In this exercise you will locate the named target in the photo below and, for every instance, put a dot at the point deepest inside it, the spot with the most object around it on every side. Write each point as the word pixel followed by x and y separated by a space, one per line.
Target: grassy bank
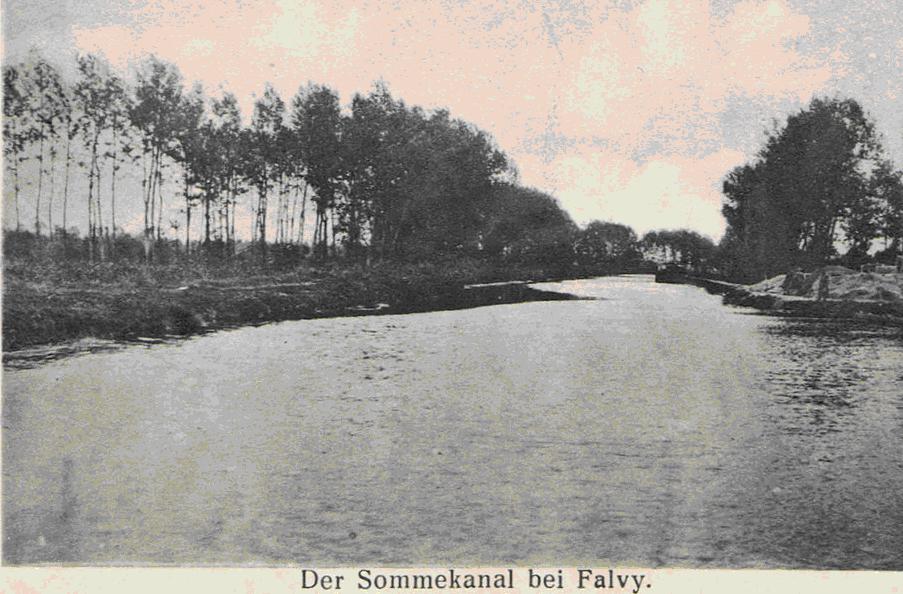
pixel 47 304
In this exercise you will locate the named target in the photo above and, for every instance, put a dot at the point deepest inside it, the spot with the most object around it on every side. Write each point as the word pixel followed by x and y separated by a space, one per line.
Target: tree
pixel 45 105
pixel 684 247
pixel 287 170
pixel 524 225
pixel 815 185
pixel 71 127
pixel 119 147
pixel 417 183
pixel 461 168
pixel 227 130
pixel 262 155
pixel 155 114
pixel 317 124
pixel 92 95
pixel 197 153
pixel 889 189
pixel 611 244
pixel 15 125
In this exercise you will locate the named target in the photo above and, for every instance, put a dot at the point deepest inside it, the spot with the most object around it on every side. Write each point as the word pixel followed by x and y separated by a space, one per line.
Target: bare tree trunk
pixel 66 184
pixel 91 231
pixel 221 235
pixel 227 225
pixel 206 221
pixel 113 186
pixel 99 211
pixel 262 226
pixel 303 214
pixel 145 190
pixel 16 159
pixel 232 225
pixel 144 187
pixel 279 211
pixel 262 218
pixel 98 206
pixel 255 221
pixel 324 234
pixel 282 211
pixel 315 243
pixel 152 195
pixel 113 199
pixel 187 215
pixel 52 189
pixel 333 225
pixel 291 229
pixel 150 203
pixel 104 242
pixel 16 189
pixel 160 209
pixel 37 204
pixel 188 229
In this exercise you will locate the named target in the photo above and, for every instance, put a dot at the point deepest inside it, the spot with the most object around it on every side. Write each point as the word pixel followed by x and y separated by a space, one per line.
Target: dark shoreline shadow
pixel 468 297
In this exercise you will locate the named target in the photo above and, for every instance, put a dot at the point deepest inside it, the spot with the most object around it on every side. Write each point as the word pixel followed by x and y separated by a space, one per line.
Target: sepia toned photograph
pixel 453 283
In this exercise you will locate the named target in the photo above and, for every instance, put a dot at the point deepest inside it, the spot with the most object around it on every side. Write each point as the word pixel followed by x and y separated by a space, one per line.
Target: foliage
pixel 612 243
pixel 684 247
pixel 820 183
pixel 526 225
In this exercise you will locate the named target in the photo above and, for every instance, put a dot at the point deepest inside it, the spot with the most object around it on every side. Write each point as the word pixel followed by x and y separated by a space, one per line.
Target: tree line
pixel 821 190
pixel 377 179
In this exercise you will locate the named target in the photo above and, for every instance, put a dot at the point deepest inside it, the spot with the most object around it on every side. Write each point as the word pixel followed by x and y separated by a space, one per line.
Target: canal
pixel 651 426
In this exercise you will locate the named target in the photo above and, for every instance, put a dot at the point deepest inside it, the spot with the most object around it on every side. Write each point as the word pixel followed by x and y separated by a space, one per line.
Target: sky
pixel 628 111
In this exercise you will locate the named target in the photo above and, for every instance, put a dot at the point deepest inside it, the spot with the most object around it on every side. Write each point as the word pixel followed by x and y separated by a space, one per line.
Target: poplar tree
pixel 44 102
pixel 15 124
pixel 316 121
pixel 155 113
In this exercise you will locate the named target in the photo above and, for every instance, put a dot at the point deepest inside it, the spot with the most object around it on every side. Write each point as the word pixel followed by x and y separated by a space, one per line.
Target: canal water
pixel 652 426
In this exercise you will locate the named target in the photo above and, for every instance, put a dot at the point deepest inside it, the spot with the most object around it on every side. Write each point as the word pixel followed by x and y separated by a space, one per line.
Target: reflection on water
pixel 654 427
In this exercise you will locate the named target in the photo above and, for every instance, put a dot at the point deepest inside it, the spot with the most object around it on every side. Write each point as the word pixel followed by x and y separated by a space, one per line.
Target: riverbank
pixel 867 296
pixel 127 302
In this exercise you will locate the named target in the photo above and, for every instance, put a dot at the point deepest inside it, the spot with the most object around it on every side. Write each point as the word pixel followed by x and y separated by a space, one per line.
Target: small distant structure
pixel 671 273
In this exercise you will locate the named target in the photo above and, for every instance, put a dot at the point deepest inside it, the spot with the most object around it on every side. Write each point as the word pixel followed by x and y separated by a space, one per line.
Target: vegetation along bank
pixel 139 207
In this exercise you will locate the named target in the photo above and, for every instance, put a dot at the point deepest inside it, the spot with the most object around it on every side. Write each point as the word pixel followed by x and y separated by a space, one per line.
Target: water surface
pixel 654 427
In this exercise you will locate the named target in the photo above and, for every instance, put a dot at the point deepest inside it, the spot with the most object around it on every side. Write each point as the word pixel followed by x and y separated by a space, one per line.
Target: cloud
pixel 667 68
pixel 237 46
pixel 666 191
pixel 646 99
pixel 619 111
